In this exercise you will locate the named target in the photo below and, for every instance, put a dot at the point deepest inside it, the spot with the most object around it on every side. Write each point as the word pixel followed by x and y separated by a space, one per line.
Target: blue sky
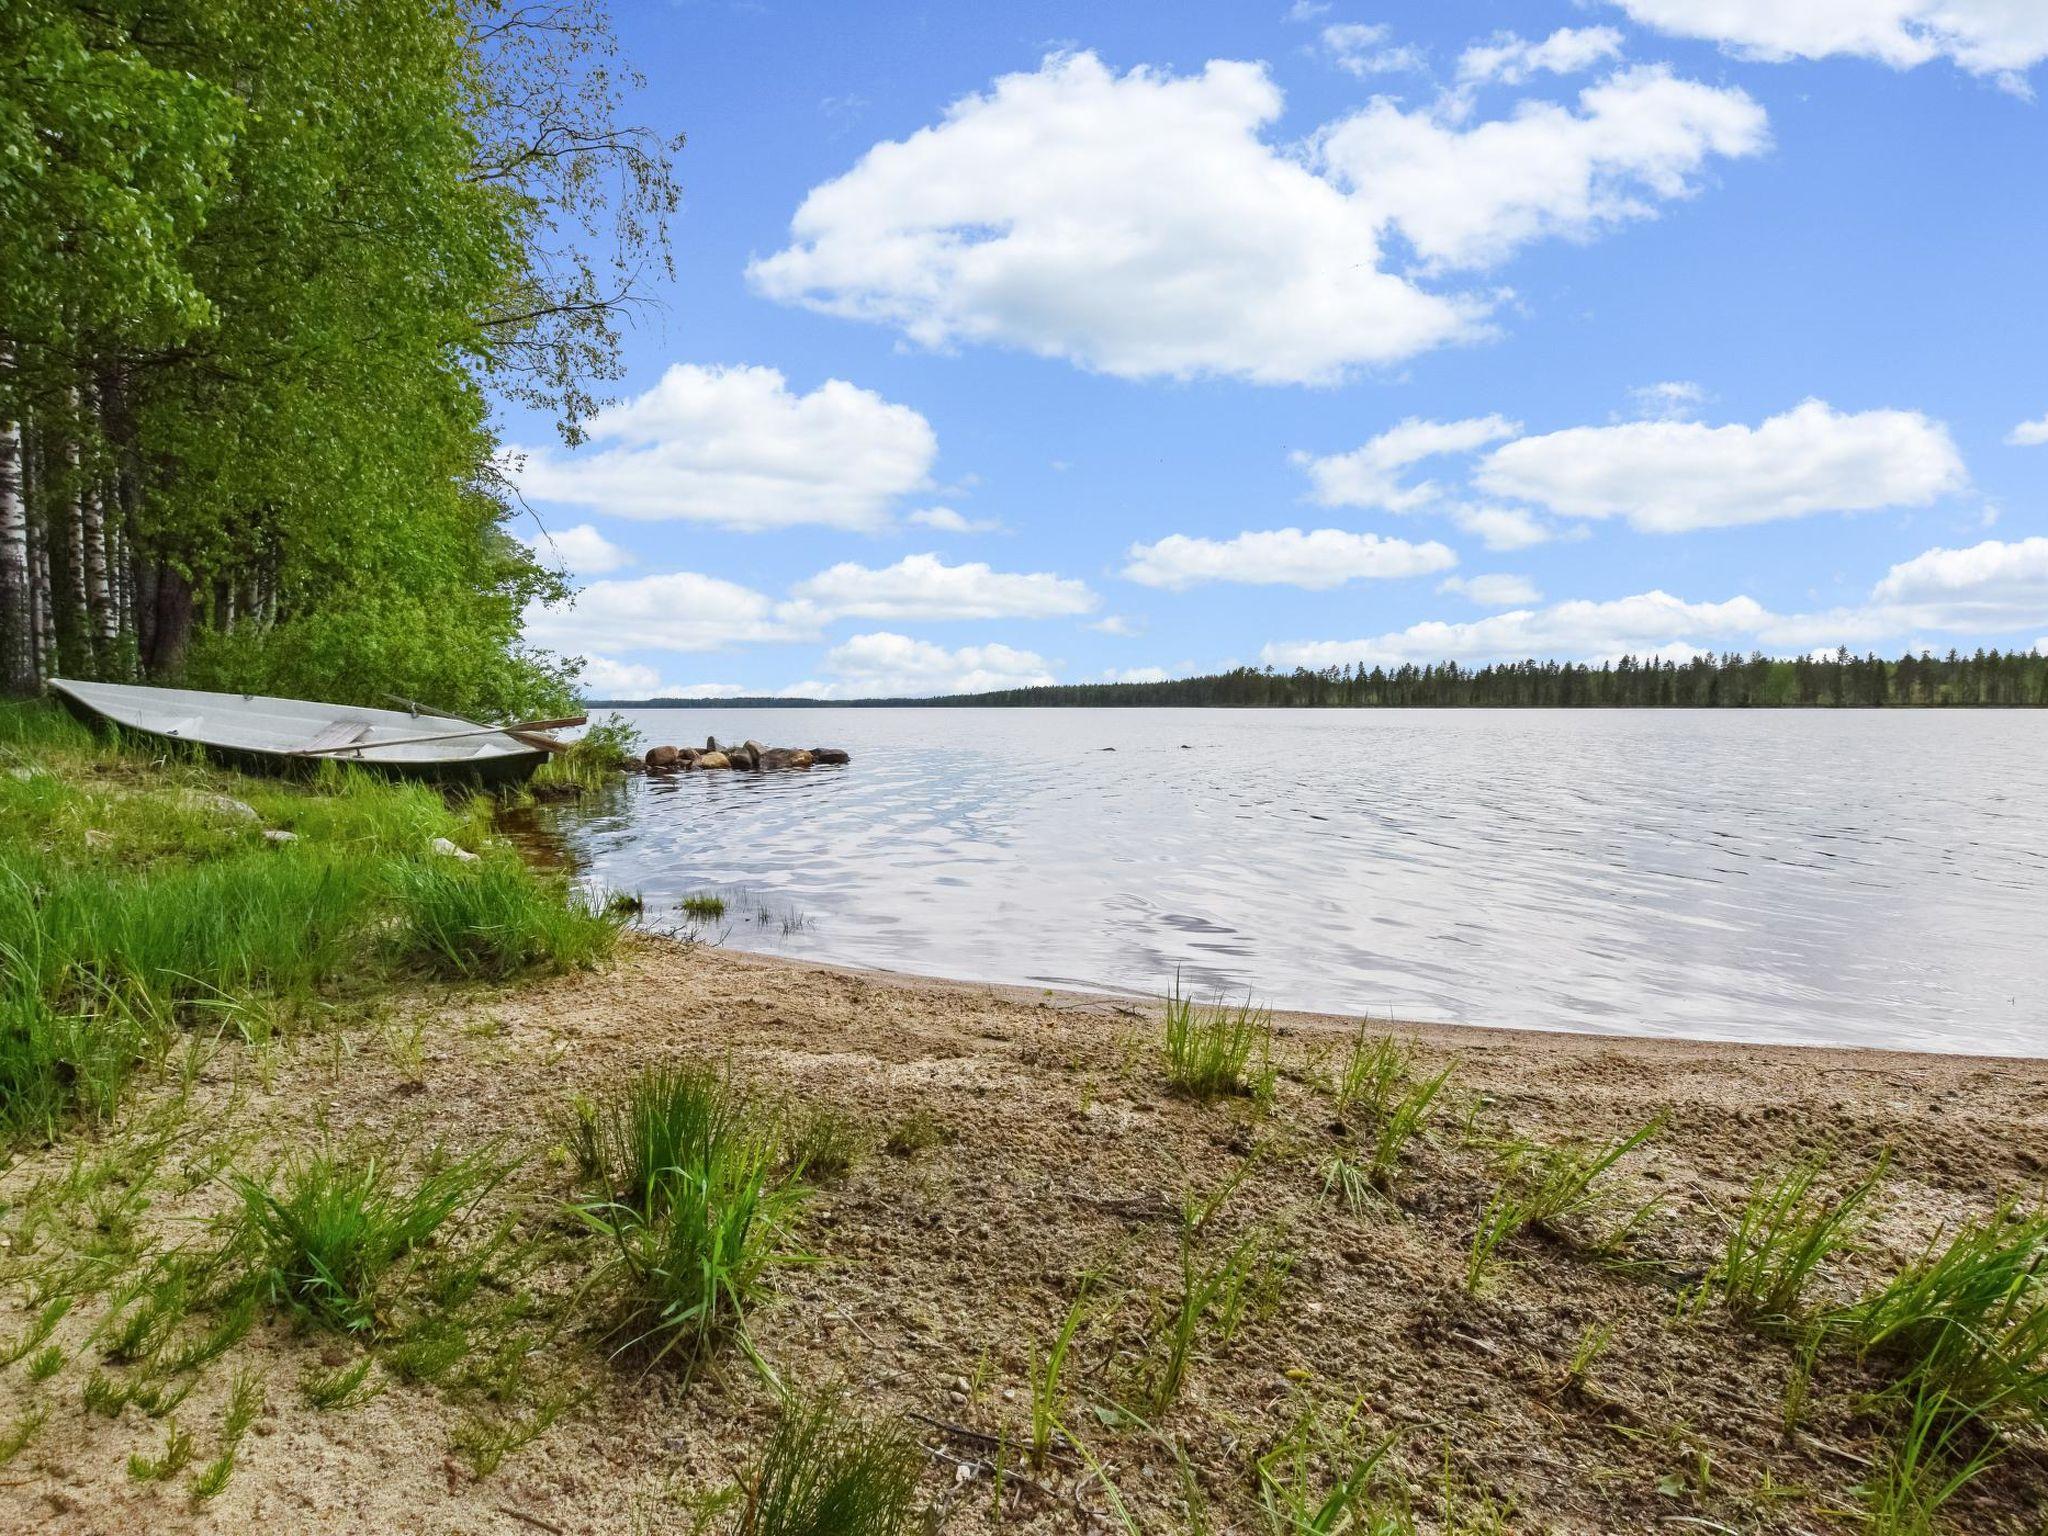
pixel 1063 342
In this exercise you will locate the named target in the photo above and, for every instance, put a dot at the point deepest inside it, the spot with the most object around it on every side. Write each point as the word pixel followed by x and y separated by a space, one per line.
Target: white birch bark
pixel 17 636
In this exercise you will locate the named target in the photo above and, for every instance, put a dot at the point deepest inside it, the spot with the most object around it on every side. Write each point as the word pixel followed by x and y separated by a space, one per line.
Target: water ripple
pixel 1864 878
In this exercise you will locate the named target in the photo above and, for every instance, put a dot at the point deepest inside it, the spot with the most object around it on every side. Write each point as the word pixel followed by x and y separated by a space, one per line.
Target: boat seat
pixel 343 733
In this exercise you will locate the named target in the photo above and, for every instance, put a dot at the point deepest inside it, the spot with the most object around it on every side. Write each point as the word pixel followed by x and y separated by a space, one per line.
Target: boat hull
pixel 490 769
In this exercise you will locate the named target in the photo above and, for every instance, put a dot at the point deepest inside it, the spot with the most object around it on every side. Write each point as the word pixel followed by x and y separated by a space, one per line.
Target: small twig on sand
pixel 532 1520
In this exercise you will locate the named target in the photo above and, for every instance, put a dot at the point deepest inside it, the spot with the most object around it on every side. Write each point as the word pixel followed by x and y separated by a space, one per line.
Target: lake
pixel 1862 878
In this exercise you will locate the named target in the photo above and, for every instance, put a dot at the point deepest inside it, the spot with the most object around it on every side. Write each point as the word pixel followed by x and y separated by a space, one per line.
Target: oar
pixel 475 730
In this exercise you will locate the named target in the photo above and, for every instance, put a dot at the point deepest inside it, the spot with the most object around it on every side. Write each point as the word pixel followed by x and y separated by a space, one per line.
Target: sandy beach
pixel 1019 1141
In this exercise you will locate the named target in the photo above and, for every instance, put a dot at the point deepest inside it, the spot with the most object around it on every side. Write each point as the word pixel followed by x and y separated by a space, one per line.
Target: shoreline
pixel 1439 1034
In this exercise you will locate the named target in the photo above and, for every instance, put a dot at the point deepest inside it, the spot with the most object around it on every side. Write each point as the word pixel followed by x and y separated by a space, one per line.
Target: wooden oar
pixel 475 730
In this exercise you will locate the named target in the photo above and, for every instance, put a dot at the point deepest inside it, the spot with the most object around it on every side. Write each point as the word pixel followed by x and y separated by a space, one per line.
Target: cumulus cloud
pixel 885 665
pixel 1990 588
pixel 1136 675
pixel 1371 476
pixel 946 520
pixel 1671 476
pixel 1985 37
pixel 1364 51
pixel 1114 624
pixel 605 678
pixel 677 611
pixel 1145 225
pixel 1471 196
pixel 1985 588
pixel 581 550
pixel 1572 630
pixel 2029 434
pixel 737 447
pixel 1327 557
pixel 925 587
pixel 1494 591
pixel 1511 59
pixel 1503 528
pixel 1671 400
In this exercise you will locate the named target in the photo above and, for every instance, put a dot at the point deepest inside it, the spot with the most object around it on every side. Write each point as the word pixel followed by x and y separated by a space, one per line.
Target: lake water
pixel 1868 878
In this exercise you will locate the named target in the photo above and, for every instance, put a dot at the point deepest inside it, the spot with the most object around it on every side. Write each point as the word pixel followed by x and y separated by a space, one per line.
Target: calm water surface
pixel 1862 878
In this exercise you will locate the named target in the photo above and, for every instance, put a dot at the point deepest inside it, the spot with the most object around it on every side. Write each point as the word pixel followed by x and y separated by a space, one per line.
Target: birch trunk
pixel 17 638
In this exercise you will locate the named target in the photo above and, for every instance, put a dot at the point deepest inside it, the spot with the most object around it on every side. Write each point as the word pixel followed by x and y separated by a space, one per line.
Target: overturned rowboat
pixel 269 735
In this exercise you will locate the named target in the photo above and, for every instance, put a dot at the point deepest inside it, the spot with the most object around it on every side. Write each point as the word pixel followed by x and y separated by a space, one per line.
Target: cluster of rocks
pixel 748 755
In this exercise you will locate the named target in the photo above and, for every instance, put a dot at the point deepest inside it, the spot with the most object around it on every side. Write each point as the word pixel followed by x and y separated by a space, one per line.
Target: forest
pixel 1730 681
pixel 264 271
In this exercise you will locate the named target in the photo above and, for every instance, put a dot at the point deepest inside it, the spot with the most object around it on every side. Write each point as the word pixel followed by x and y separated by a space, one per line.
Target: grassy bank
pixel 147 900
pixel 348 1191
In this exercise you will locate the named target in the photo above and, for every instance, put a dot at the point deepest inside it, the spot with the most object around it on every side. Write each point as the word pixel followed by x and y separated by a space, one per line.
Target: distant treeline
pixel 1842 681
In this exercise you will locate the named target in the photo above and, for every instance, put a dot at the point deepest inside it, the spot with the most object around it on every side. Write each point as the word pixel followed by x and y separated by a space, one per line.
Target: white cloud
pixel 1672 400
pixel 1327 557
pixel 1986 588
pixel 1364 51
pixel 1511 59
pixel 1503 528
pixel 925 587
pixel 2029 434
pixel 885 665
pixel 581 550
pixel 1307 10
pixel 1576 630
pixel 1986 37
pixel 1136 224
pixel 946 520
pixel 1469 197
pixel 605 678
pixel 1136 675
pixel 1370 476
pixel 679 611
pixel 1992 588
pixel 734 446
pixel 1671 476
pixel 1114 624
pixel 1144 225
pixel 1494 591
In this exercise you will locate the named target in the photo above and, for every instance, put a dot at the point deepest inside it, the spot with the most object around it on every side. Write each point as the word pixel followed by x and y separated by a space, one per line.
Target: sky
pixel 1034 342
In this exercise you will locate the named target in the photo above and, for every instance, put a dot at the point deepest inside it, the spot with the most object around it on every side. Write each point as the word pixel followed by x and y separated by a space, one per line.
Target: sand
pixel 1057 1152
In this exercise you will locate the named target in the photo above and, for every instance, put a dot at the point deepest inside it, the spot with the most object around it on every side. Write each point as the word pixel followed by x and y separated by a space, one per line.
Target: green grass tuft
pixel 1787 1230
pixel 827 1472
pixel 494 919
pixel 327 1237
pixel 1209 1049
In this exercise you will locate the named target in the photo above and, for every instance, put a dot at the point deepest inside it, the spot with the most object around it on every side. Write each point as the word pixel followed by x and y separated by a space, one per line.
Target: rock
pixel 279 835
pixel 448 850
pixel 746 755
pixel 775 757
pixel 710 743
pixel 830 755
pixel 799 758
pixel 712 760
pixel 633 765
pixel 222 805
pixel 662 759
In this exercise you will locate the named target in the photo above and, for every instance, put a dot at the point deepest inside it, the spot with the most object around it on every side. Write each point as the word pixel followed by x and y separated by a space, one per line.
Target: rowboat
pixel 263 734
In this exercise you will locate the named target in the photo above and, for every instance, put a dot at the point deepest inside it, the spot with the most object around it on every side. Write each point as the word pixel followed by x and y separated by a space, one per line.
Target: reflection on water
pixel 1865 877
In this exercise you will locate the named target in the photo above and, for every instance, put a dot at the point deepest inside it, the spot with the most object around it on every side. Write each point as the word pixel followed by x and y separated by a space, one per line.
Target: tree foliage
pixel 263 271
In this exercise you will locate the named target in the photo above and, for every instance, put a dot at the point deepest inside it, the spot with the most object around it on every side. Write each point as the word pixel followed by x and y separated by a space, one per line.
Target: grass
pixel 1375 1064
pixel 1932 1460
pixel 1787 1230
pixel 175 1457
pixel 1967 1323
pixel 1318 1478
pixel 1209 1048
pixel 343 1386
pixel 1547 1186
pixel 1049 1380
pixel 495 919
pixel 703 907
pixel 918 1131
pixel 245 1403
pixel 329 1234
pixel 1215 1290
pixel 828 1472
pixel 133 905
pixel 692 1206
pixel 823 1144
